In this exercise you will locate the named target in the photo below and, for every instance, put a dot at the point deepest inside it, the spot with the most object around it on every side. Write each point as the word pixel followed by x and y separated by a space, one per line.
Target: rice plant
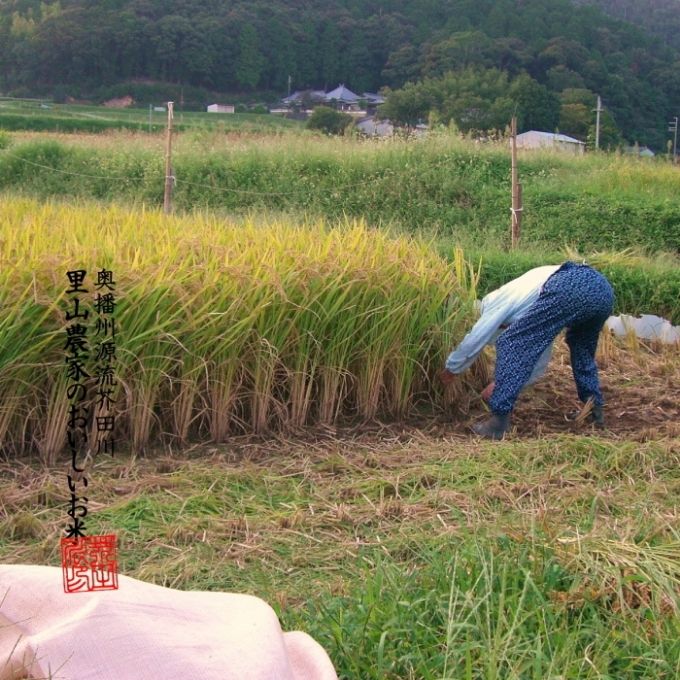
pixel 222 326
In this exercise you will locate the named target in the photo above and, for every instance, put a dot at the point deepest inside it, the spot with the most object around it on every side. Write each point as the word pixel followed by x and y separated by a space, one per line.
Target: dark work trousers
pixel 575 297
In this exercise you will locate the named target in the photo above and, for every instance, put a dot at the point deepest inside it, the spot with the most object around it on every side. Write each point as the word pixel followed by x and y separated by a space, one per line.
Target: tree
pixel 329 120
pixel 249 62
pixel 358 64
pixel 475 99
pixel 563 52
pixel 537 107
pixel 510 54
pixel 408 105
pixel 576 112
pixel 610 135
pixel 331 55
pixel 560 78
pixel 280 55
pixel 402 66
pixel 306 55
pixel 575 120
pixel 461 50
pixel 171 32
pixel 578 96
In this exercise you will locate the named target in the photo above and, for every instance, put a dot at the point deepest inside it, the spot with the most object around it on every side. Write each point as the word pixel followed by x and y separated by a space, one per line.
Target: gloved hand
pixel 447 377
pixel 487 391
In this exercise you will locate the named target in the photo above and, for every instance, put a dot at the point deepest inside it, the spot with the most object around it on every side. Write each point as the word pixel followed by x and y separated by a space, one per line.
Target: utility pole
pixel 516 209
pixel 673 127
pixel 169 178
pixel 597 122
pixel 290 79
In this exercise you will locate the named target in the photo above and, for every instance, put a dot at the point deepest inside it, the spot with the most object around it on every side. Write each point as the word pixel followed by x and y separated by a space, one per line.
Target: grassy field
pixel 37 116
pixel 442 186
pixel 414 551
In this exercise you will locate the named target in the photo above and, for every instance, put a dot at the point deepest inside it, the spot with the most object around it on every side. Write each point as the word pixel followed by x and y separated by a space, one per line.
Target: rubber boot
pixel 494 427
pixel 597 416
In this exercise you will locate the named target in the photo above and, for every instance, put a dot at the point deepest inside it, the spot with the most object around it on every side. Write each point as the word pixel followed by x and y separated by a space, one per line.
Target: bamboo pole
pixel 169 178
pixel 516 210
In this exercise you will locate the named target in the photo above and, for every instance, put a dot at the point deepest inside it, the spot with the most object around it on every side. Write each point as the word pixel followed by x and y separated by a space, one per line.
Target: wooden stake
pixel 169 178
pixel 516 209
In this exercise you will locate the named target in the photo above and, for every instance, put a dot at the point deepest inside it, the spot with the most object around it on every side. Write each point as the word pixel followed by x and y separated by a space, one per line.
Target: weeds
pixel 441 185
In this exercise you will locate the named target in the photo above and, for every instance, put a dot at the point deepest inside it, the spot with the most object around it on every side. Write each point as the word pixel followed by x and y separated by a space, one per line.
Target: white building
pixel 220 108
pixel 549 140
pixel 376 128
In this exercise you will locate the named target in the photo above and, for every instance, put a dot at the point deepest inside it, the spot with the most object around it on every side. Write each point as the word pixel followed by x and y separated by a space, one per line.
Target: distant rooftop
pixel 342 94
pixel 299 95
pixel 552 136
pixel 373 98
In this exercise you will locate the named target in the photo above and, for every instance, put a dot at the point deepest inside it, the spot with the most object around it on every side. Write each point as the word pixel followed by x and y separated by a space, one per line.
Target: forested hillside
pixel 565 53
pixel 659 17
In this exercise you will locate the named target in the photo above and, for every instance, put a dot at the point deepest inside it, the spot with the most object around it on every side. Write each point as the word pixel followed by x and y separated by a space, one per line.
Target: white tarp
pixel 645 327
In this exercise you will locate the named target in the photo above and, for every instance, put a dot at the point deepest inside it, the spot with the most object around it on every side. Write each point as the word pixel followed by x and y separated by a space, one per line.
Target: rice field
pixel 282 430
pixel 441 185
pixel 224 326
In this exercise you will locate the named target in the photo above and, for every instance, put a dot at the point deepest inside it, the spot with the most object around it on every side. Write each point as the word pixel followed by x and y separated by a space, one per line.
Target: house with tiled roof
pixel 300 96
pixel 342 95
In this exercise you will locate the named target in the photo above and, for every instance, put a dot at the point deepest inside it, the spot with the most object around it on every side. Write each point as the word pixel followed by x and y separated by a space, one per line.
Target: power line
pixel 67 172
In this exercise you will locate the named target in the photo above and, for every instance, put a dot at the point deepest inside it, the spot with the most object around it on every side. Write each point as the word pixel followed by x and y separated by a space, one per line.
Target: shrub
pixel 329 120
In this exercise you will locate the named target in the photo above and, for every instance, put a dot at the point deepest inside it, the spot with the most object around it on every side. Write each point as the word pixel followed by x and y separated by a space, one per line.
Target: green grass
pixel 440 186
pixel 430 558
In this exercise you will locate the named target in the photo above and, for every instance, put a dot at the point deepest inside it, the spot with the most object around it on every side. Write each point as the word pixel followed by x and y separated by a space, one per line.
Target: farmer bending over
pixel 526 315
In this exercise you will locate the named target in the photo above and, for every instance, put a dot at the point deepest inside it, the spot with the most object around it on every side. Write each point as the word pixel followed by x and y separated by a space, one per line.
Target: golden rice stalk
pixel 224 326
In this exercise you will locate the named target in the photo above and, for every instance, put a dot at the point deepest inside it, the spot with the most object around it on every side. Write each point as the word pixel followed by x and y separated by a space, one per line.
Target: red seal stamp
pixel 89 563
